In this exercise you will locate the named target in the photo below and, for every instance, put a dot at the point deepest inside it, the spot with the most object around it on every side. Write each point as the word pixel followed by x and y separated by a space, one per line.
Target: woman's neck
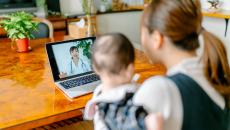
pixel 75 60
pixel 176 58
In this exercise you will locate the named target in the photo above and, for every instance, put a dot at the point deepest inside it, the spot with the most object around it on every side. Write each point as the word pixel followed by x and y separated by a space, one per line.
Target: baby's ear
pixel 95 70
pixel 131 67
pixel 130 70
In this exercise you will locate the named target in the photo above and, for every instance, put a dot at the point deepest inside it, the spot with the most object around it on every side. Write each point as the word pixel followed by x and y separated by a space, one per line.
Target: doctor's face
pixel 74 53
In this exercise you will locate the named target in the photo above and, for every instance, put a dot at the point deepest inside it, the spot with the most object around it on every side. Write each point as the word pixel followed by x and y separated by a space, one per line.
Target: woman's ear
pixel 157 39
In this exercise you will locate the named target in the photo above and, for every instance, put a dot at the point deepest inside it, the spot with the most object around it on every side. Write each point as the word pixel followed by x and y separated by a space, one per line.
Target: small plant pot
pixel 23 45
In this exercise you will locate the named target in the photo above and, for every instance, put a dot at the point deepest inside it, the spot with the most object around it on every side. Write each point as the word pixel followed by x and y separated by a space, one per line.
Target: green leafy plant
pixel 19 25
pixel 85 45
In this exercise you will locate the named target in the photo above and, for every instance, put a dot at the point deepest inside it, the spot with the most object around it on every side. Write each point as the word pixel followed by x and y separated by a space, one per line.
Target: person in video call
pixel 76 64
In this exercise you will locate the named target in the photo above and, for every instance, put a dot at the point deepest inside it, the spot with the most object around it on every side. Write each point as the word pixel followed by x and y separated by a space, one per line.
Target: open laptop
pixel 71 66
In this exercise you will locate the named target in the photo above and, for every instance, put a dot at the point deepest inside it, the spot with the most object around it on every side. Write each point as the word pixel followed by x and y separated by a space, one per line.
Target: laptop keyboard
pixel 80 81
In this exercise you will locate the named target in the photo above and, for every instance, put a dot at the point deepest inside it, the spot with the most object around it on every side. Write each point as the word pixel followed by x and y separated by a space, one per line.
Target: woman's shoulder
pixel 159 83
pixel 157 94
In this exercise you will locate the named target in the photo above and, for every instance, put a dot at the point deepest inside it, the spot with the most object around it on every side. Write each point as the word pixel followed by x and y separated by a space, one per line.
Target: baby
pixel 111 107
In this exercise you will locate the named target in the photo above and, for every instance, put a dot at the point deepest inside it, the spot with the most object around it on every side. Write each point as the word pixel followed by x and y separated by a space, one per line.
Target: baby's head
pixel 113 57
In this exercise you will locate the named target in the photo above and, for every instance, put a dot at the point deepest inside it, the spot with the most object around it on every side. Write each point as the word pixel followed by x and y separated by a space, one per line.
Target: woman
pixel 190 96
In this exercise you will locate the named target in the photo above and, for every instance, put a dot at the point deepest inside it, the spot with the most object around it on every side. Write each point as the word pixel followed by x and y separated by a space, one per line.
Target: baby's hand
pixel 62 75
pixel 154 122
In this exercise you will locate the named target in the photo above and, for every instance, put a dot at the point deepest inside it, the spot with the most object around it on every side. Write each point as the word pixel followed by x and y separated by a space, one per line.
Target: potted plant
pixel 214 5
pixel 19 26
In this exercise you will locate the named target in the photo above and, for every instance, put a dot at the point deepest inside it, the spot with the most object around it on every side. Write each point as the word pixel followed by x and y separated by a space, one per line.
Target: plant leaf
pixel 18 25
pixel 21 35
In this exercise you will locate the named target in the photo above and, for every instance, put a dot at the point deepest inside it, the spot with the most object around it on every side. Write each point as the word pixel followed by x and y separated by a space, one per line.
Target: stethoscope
pixel 71 66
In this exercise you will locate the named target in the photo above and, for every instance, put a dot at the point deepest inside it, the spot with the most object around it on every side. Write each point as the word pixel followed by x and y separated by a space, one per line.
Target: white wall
pixel 225 4
pixel 127 23
pixel 71 7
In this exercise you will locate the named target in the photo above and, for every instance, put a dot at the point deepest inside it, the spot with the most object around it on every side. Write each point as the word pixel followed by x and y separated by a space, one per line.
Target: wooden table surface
pixel 28 95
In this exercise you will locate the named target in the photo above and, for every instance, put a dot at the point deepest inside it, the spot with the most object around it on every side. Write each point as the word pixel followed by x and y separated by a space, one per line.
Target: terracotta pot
pixel 23 45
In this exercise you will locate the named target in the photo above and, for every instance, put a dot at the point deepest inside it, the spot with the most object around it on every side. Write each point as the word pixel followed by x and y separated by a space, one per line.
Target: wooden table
pixel 28 96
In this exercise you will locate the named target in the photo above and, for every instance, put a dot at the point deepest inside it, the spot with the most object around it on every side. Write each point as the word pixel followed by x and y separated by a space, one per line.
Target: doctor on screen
pixel 76 64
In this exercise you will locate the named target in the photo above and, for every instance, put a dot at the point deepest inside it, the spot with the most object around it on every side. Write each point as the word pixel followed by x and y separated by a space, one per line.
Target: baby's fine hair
pixel 112 52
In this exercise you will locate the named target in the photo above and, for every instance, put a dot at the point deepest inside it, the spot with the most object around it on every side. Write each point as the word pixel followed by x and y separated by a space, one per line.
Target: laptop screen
pixel 70 58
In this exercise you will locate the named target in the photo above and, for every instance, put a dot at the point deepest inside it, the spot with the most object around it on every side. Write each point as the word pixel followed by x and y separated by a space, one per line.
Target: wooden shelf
pixel 221 14
pixel 59 24
pixel 136 7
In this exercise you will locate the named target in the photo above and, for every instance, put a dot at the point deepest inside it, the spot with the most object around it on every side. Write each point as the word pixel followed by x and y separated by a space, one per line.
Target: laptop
pixel 71 66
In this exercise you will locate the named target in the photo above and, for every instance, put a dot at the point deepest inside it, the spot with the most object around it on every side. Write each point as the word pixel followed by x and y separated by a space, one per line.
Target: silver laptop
pixel 71 66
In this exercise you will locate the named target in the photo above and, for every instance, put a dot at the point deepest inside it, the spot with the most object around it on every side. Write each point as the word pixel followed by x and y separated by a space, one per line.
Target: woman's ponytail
pixel 217 69
pixel 181 21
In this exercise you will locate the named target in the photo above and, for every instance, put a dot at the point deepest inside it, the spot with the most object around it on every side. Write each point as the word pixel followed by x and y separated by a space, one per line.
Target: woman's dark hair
pixel 180 21
pixel 112 52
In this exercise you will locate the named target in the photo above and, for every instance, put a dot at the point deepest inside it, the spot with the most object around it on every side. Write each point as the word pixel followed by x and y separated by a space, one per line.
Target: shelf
pixel 119 11
pixel 59 24
pixel 221 14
